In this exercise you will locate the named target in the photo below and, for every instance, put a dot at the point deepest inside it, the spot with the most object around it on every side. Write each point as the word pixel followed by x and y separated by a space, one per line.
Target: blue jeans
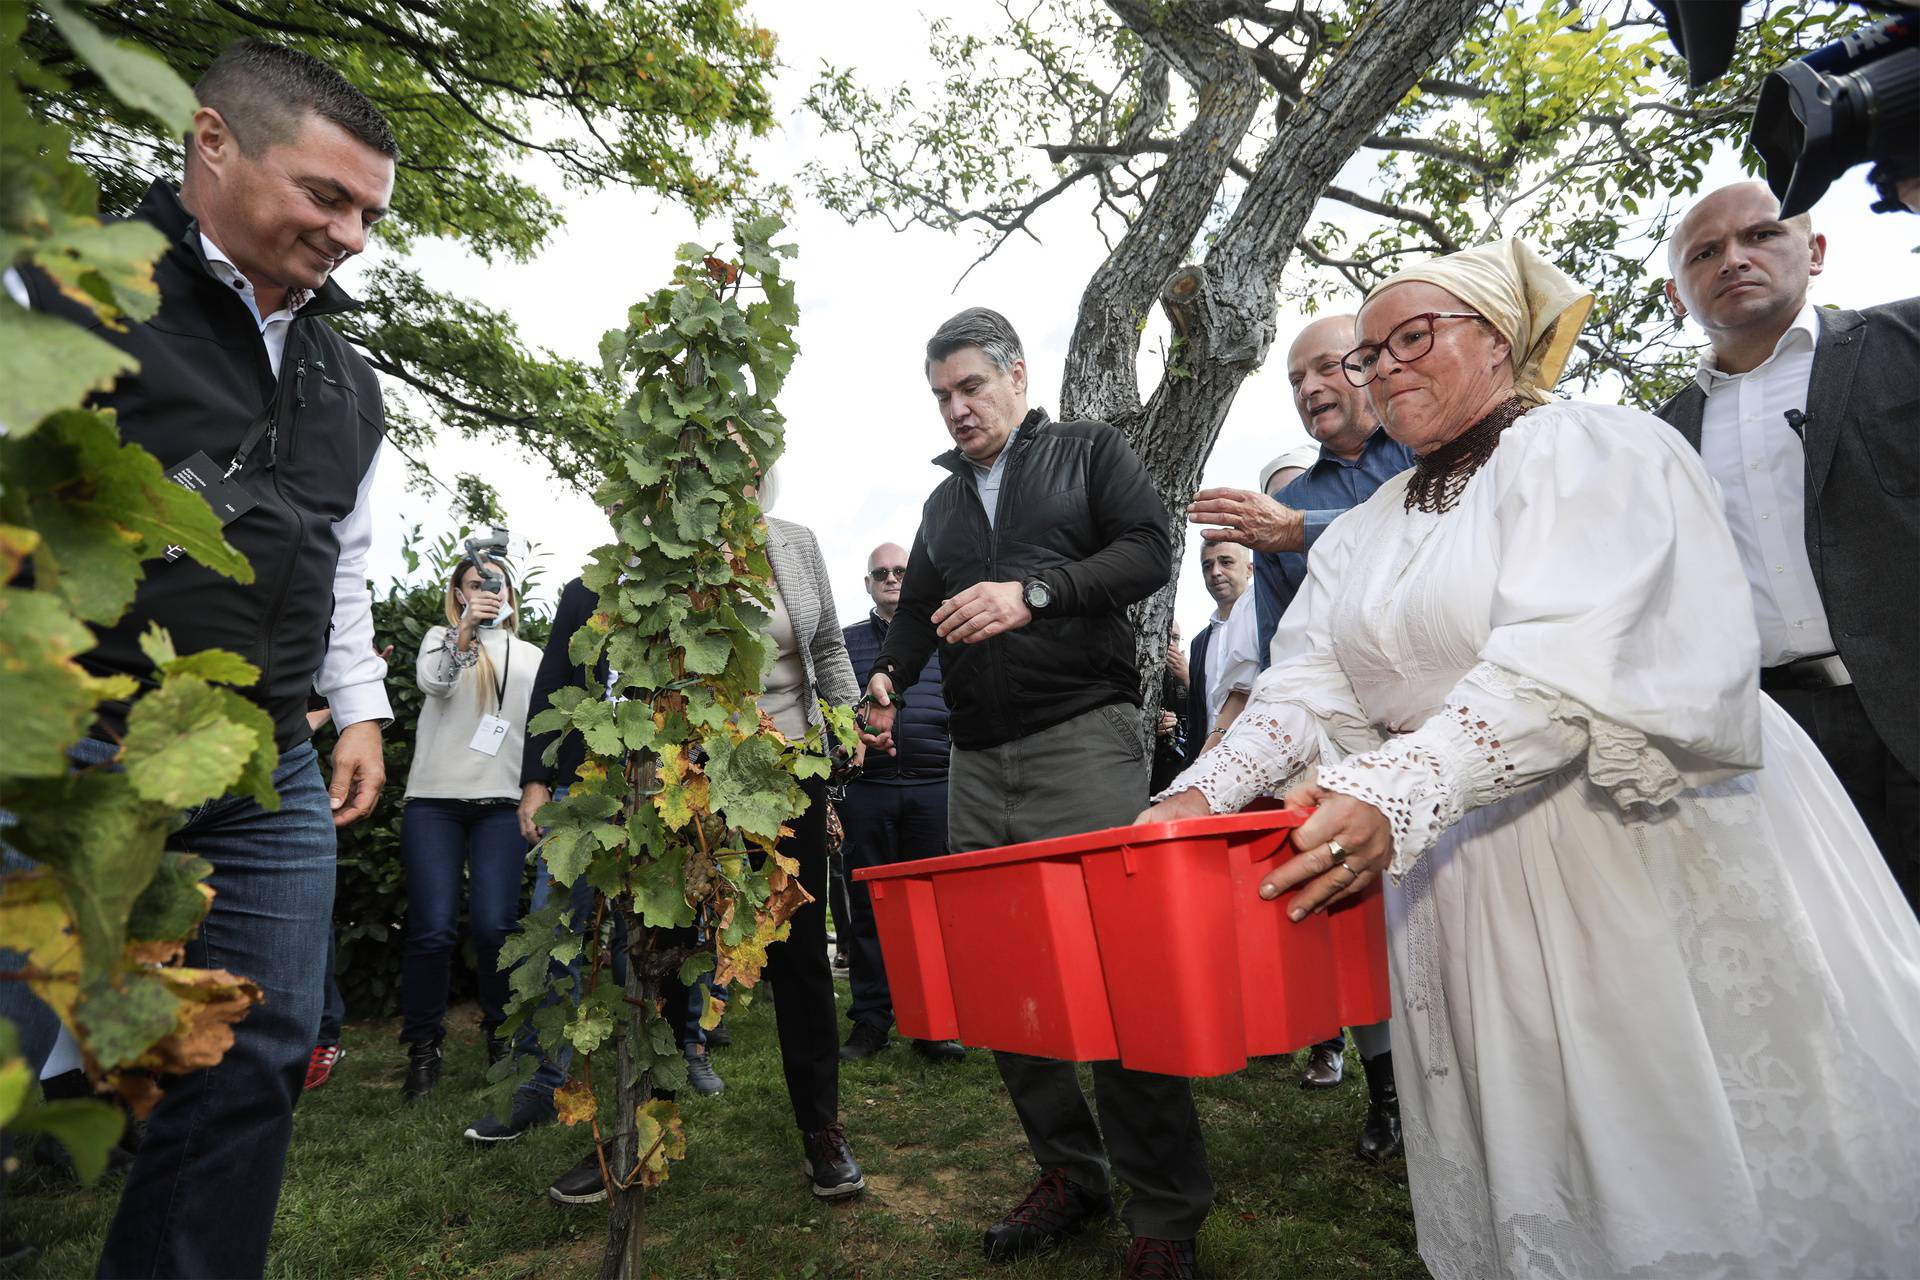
pixel 885 822
pixel 201 1196
pixel 440 839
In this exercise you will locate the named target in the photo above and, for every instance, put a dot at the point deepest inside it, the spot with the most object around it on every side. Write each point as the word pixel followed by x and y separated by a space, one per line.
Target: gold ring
pixel 1337 852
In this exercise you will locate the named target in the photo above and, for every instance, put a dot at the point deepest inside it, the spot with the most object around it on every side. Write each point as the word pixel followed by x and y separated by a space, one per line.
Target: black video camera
pixel 1855 101
pixel 486 553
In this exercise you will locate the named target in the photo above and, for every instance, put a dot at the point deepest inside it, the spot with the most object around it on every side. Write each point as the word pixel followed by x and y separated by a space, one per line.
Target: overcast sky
pixel 861 424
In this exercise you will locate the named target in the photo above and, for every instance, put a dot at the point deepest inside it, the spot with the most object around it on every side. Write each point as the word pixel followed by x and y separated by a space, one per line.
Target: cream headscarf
pixel 1536 306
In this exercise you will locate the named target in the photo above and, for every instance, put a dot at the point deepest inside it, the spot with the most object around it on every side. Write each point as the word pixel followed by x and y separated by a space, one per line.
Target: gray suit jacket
pixel 1863 503
pixel 801 573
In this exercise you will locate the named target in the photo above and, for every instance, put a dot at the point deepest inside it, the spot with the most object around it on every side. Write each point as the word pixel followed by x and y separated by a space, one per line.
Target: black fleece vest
pixel 203 380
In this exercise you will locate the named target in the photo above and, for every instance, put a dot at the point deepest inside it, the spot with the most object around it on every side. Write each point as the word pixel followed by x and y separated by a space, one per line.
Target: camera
pixel 486 552
pixel 1852 102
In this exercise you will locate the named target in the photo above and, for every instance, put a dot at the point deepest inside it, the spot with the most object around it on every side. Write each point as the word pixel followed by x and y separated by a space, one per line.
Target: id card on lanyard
pixel 492 729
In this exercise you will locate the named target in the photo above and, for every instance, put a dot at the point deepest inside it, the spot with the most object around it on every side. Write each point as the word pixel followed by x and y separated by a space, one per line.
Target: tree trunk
pixel 626 1210
pixel 1223 310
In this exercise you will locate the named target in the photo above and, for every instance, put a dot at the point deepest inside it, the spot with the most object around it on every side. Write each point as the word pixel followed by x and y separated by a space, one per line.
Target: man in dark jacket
pixel 1021 573
pixel 894 811
pixel 1810 420
pixel 241 378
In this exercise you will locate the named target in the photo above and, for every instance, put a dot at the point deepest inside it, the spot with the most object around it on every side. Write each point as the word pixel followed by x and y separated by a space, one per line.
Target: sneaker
pixel 321 1062
pixel 830 1164
pixel 530 1111
pixel 1055 1209
pixel 1153 1259
pixel 941 1050
pixel 581 1184
pixel 1325 1068
pixel 700 1073
pixel 863 1042
pixel 719 1037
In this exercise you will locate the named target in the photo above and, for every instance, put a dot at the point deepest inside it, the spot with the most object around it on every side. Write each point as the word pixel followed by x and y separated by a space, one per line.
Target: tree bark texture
pixel 626 1210
pixel 1222 309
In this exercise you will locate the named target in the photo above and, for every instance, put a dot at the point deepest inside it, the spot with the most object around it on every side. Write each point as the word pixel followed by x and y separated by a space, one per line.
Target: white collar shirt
pixel 273 328
pixel 1760 463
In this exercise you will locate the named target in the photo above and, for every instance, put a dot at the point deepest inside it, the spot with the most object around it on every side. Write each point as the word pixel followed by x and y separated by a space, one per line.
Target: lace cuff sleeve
pixel 1496 733
pixel 1262 752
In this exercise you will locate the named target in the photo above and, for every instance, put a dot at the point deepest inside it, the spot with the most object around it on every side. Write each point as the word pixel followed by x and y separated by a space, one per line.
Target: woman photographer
pixel 462 795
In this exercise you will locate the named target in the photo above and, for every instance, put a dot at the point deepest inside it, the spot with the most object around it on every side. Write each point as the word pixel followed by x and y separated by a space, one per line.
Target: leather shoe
pixel 863 1042
pixel 1150 1258
pixel 941 1050
pixel 1055 1209
pixel 1380 1131
pixel 423 1071
pixel 1326 1067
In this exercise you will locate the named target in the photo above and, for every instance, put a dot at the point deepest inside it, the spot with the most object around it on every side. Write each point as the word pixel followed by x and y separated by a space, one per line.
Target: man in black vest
pixel 894 811
pixel 1810 420
pixel 1026 561
pixel 287 169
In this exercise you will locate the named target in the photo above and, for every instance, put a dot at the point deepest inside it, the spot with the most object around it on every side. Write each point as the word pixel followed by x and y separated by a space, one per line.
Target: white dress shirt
pixel 1761 465
pixel 352 676
pixel 1233 655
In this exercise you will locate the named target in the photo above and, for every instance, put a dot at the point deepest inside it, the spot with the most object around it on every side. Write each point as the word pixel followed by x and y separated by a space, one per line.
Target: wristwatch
pixel 1037 594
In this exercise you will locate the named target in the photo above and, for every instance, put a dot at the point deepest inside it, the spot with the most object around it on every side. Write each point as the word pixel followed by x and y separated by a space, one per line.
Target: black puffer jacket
pixel 920 733
pixel 1076 511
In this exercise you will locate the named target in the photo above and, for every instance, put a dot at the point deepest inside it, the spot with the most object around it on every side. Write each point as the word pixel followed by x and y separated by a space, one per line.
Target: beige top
pixel 785 697
pixel 445 765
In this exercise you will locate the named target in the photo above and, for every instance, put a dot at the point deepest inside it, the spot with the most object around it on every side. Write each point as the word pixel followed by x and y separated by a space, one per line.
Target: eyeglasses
pixel 1408 341
pixel 883 573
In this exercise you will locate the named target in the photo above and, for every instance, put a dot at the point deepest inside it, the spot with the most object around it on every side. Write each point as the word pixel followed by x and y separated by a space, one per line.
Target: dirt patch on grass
pixel 932 1195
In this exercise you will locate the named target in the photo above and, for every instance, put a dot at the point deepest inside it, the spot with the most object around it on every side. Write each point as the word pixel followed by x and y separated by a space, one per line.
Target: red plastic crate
pixel 1148 944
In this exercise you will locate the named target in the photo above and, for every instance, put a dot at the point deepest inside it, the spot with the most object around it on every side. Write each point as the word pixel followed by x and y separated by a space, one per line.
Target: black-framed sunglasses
pixel 1408 341
pixel 882 573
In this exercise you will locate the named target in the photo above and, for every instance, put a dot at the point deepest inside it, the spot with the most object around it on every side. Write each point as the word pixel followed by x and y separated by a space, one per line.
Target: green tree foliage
pixel 652 95
pixel 1567 124
pixel 99 925
pixel 686 787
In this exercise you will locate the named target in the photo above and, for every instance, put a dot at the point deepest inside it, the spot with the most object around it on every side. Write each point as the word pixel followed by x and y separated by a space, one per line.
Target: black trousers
pixel 1881 788
pixel 886 822
pixel 801 977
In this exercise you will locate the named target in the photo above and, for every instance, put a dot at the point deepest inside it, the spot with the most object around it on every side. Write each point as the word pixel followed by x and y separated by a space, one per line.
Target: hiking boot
pixel 582 1184
pixel 941 1050
pixel 1326 1066
pixel 700 1073
pixel 1380 1131
pixel 423 1071
pixel 1055 1209
pixel 830 1163
pixel 863 1042
pixel 1154 1259
pixel 321 1062
pixel 530 1111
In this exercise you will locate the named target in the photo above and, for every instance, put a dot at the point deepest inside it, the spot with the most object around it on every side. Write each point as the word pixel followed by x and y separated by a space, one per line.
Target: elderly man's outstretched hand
pixel 1251 519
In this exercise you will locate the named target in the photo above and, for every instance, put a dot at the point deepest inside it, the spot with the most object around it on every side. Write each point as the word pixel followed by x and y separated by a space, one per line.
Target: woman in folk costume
pixel 1659 1005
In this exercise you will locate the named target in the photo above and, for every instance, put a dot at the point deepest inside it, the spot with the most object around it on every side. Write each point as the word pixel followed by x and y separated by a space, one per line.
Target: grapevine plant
pixel 686 787
pixel 98 926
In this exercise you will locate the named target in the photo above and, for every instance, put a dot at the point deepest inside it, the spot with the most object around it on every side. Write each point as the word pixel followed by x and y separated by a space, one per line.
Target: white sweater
pixel 445 766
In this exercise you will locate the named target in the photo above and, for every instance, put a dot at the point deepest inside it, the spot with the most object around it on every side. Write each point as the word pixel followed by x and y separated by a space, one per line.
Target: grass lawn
pixel 377 1189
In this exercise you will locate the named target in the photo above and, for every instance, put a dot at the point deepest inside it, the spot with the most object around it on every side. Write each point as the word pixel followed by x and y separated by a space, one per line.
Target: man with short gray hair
pixel 1025 563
